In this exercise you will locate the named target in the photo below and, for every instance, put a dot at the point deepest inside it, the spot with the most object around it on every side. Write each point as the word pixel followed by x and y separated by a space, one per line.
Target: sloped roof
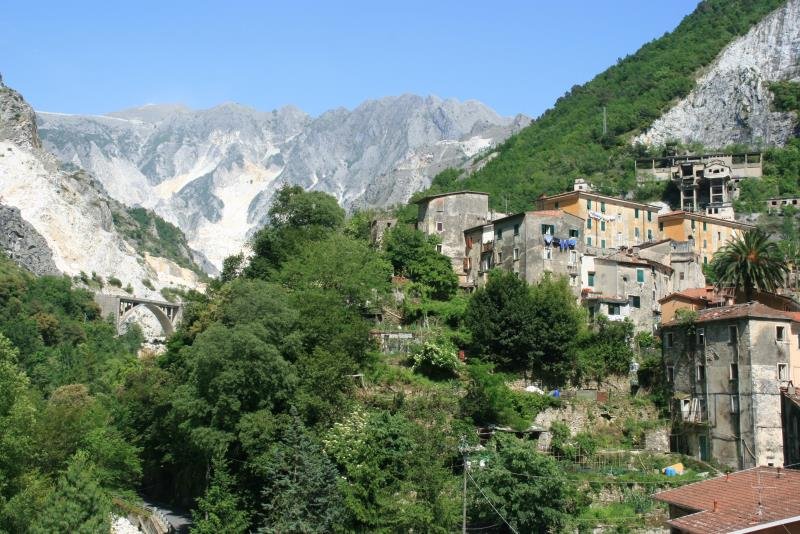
pixel 706 294
pixel 744 500
pixel 754 310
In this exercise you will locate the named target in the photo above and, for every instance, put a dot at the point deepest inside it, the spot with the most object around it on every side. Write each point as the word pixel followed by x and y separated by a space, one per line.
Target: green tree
pixel 606 349
pixel 529 489
pixel 414 255
pixel 499 317
pixel 219 509
pixel 300 492
pixel 750 262
pixel 77 504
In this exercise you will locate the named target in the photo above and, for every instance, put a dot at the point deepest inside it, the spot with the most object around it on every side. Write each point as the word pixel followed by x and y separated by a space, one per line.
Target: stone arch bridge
pixel 120 308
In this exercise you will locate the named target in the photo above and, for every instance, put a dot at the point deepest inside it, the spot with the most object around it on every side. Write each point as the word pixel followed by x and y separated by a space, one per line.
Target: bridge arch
pixel 163 320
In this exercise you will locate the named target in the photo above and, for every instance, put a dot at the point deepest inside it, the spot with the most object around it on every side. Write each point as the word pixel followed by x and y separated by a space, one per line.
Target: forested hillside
pixel 568 140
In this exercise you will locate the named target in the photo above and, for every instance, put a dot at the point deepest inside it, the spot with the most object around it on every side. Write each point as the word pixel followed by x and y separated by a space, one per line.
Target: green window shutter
pixel 602 243
pixel 589 241
pixel 602 206
pixel 602 225
pixel 588 203
pixel 649 216
pixel 591 279
pixel 640 275
pixel 636 213
pixel 589 224
pixel 705 226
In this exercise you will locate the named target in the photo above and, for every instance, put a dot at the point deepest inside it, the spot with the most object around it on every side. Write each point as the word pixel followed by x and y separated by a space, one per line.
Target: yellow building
pixel 610 222
pixel 708 234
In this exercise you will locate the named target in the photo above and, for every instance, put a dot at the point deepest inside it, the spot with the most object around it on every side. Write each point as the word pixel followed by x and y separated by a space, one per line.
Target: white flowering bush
pixel 436 359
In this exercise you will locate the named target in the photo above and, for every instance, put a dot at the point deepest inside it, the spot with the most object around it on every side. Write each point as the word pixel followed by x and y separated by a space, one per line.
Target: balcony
pixel 487 247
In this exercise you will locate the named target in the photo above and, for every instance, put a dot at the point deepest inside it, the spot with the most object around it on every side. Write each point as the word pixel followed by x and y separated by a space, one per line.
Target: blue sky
pixel 95 57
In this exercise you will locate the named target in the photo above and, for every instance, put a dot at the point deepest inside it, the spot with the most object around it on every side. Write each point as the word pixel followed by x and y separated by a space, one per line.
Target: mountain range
pixel 213 172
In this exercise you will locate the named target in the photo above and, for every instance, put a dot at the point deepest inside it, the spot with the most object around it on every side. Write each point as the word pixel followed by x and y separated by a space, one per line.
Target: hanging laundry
pixel 547 239
pixel 572 242
pixel 557 242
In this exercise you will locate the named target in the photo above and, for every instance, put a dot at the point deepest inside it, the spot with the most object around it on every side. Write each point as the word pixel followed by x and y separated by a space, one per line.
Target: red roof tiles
pixel 754 310
pixel 741 500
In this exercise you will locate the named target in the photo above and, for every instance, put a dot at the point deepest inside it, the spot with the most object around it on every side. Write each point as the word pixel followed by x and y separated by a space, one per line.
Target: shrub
pixel 114 281
pixel 148 284
pixel 436 359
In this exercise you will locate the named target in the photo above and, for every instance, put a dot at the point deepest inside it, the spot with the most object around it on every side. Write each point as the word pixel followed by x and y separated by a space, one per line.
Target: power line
pixel 490 503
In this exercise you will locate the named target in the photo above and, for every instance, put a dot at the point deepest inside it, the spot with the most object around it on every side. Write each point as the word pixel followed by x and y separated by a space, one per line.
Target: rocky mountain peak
pixel 17 119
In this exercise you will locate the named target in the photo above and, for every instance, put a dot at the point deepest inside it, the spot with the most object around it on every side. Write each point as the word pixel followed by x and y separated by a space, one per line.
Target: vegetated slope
pixel 568 140
pixel 84 229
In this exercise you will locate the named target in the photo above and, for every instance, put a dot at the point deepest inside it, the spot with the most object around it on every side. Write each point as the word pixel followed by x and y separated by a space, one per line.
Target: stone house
pixel 529 243
pixel 447 215
pixel 705 234
pixel 378 227
pixel 624 285
pixel 610 222
pixel 726 369
pixel 790 421
pixel 687 271
pixel 700 298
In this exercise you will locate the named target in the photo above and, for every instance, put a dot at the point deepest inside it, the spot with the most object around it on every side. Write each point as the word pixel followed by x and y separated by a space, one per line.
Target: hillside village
pixel 417 315
pixel 730 360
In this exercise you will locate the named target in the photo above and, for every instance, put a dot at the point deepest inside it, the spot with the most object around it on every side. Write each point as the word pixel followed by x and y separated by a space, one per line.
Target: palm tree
pixel 750 262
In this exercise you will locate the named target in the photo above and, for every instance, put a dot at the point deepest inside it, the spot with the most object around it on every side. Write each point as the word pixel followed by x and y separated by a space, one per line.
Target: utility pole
pixel 463 449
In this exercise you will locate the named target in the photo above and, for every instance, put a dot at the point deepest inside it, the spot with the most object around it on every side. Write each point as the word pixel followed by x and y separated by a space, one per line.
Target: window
pixel 591 279
pixel 692 224
pixel 682 275
pixel 705 260
pixel 636 302
pixel 636 213
pixel 516 254
pixel 779 333
pixel 640 275
pixel 439 248
pixel 660 227
pixel 574 233
pixel 733 334
pixel 701 373
pixel 649 216
pixel 499 257
pixel 705 226
pixel 602 206
pixel 602 243
pixel 548 229
pixel 670 374
pixel 589 241
pixel 734 404
pixel 613 309
pixel 573 257
pixel 603 226
pixel 668 340
pixel 556 205
pixel 439 226
pixel 636 232
pixel 649 235
pixel 573 279
pixel 733 371
pixel 589 224
pixel 516 229
pixel 701 337
pixel 705 244
pixel 783 371
pixel 588 203
pixel 547 253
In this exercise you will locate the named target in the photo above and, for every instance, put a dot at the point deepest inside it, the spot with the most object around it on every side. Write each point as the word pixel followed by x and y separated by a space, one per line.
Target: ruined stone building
pixel 530 244
pixel 708 183
pixel 726 369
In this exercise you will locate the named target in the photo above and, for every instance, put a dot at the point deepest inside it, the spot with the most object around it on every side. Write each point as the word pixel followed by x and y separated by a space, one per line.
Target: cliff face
pixel 67 212
pixel 732 102
pixel 213 172
pixel 22 243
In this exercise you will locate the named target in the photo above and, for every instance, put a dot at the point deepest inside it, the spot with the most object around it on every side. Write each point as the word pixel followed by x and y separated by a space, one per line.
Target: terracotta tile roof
pixel 708 294
pixel 737 311
pixel 702 217
pixel 737 497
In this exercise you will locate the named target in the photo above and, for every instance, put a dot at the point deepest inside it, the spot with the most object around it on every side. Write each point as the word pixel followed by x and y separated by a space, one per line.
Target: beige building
pixel 726 369
pixel 705 234
pixel 610 222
